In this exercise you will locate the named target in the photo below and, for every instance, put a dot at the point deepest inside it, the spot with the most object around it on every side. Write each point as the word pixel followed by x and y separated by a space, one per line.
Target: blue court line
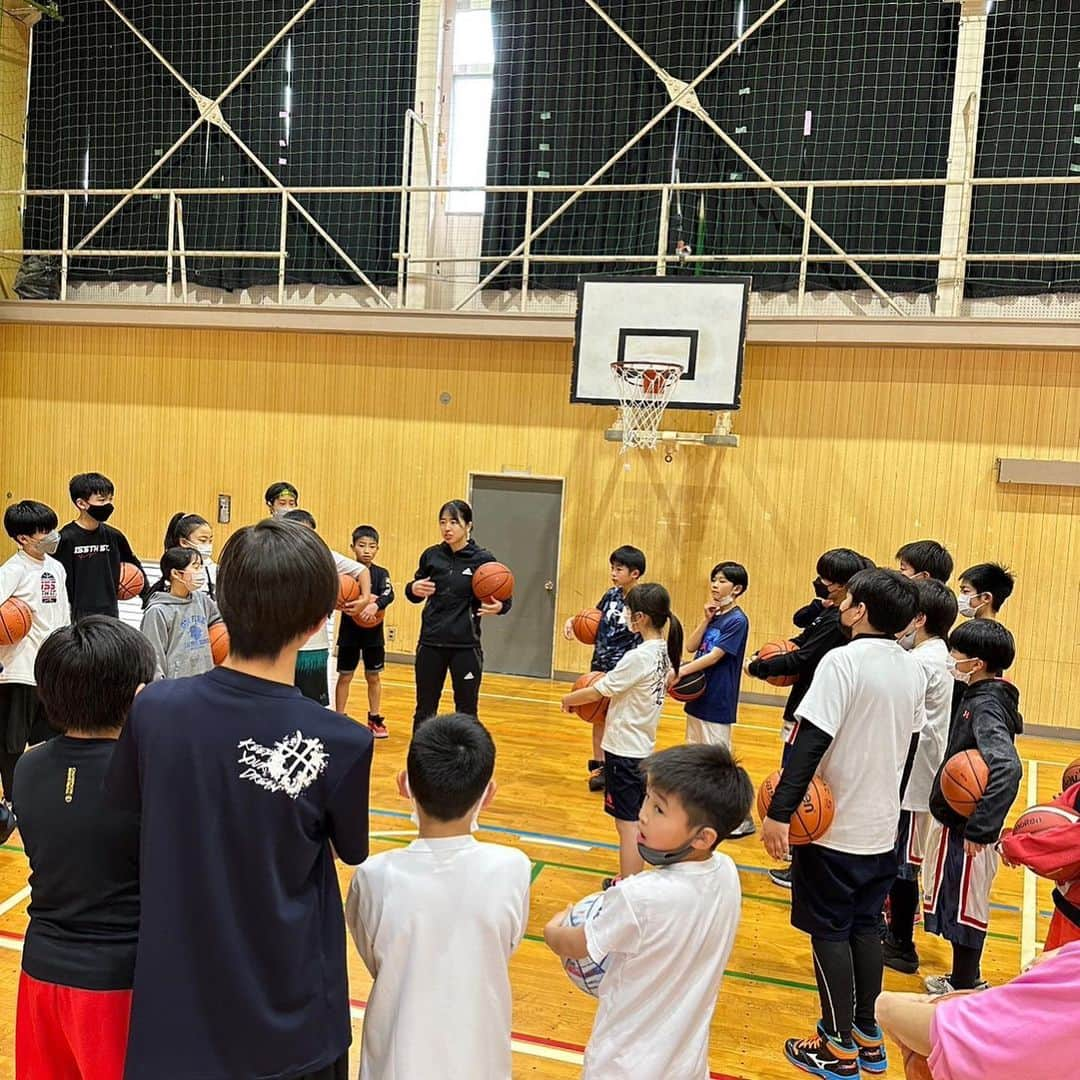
pixel 604 846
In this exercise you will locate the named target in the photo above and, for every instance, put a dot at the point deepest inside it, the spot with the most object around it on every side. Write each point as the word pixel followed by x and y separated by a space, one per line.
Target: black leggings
pixel 466 667
pixel 849 982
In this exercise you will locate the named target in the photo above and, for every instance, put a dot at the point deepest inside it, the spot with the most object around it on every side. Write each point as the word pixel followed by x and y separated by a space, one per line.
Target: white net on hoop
pixel 645 388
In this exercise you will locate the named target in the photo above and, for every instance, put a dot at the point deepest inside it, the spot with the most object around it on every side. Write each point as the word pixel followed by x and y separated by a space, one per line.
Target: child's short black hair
pixel 275 491
pixel 890 598
pixel 714 790
pixel 365 532
pixel 28 517
pixel 83 485
pixel 87 673
pixel 986 640
pixel 451 759
pixel 992 578
pixel 275 582
pixel 839 565
pixel 630 557
pixel 938 603
pixel 734 572
pixel 927 557
pixel 301 517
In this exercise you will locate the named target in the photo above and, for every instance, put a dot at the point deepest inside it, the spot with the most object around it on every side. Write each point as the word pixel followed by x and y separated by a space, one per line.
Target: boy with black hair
pixel 421 1013
pixel 835 568
pixel 614 639
pixel 960 853
pixel 672 927
pixel 927 640
pixel 984 588
pixel 78 958
pixel 280 498
pixel 33 576
pixel 247 791
pixel 923 559
pixel 859 727
pixel 365 639
pixel 91 551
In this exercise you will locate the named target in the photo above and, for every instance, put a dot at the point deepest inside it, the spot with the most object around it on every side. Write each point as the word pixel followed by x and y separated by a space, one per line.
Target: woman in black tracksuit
pixel 450 626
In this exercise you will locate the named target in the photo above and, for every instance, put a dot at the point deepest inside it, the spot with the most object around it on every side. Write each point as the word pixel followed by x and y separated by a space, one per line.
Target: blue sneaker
pixel 824 1057
pixel 871 1047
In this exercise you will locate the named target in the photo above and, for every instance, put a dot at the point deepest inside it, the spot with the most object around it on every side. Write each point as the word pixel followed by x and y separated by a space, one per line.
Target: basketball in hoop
pixel 645 387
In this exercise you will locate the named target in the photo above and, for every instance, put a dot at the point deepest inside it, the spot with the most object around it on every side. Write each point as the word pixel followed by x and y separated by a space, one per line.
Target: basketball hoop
pixel 645 388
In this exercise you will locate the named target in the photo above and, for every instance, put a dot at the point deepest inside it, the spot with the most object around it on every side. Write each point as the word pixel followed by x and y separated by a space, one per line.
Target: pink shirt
pixel 1026 1029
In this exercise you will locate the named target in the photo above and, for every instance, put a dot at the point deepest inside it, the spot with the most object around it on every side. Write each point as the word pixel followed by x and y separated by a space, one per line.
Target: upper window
pixel 473 60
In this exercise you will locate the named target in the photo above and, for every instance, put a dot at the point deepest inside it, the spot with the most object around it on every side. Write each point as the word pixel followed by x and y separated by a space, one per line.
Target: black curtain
pixel 876 80
pixel 325 107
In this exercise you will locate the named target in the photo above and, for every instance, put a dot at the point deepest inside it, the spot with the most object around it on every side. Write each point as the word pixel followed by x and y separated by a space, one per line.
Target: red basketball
pixel 1041 818
pixel 492 581
pixel 964 780
pixel 367 624
pixel 778 648
pixel 15 619
pixel 348 591
pixel 814 817
pixel 585 625
pixel 1071 775
pixel 131 583
pixel 219 642
pixel 593 712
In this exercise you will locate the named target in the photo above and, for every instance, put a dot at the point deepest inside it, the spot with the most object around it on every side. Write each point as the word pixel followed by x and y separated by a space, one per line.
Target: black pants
pixel 339 1070
pixel 466 667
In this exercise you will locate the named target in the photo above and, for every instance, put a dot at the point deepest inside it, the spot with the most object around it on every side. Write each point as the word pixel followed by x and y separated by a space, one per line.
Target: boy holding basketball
pixel 858 731
pixel 437 922
pixel 961 858
pixel 922 559
pixel 91 551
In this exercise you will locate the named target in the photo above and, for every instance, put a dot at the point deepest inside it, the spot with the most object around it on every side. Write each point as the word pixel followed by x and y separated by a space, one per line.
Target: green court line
pixel 537 870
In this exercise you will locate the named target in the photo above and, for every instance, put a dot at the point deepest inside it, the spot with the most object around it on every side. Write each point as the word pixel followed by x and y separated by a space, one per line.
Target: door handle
pixel 549 586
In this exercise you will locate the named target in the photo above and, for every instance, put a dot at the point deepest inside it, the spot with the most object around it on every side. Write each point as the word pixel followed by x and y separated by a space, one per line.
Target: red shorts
pixel 62 1033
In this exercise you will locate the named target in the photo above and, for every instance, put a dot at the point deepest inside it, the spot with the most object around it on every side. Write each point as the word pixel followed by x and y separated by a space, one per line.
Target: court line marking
pixel 14 900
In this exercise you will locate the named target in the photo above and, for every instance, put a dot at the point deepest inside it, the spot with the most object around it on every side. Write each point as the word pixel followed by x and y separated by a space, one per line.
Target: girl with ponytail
pixel 193 531
pixel 636 686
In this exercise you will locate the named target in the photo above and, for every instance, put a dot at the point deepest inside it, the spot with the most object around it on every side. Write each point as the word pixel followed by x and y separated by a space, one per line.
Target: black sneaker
pixel 596 780
pixel 824 1057
pixel 8 824
pixel 899 957
pixel 781 877
pixel 609 883
pixel 872 1056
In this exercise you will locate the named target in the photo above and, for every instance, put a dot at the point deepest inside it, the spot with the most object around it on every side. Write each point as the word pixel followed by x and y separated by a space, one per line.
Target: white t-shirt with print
pixel 42 587
pixel 637 687
pixel 931 656
pixel 870 697
pixel 666 935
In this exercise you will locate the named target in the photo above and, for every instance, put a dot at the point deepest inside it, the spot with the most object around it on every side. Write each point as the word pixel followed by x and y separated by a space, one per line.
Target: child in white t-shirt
pixel 436 922
pixel 637 686
pixel 664 937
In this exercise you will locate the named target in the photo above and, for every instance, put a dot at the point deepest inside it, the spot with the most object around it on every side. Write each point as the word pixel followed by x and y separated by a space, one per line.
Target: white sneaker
pixel 939 984
pixel 747 828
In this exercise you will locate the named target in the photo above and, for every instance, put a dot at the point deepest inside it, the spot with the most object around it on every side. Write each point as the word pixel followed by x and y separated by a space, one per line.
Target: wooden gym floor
pixel 543 807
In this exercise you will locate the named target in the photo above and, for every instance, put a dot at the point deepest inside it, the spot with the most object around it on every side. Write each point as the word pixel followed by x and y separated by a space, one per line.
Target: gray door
pixel 518 520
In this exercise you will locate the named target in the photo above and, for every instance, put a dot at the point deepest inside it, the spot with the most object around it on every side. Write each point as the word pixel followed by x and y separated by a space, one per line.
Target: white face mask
pixel 47 545
pixel 204 550
pixel 955 672
pixel 965 607
pixel 198 579
pixel 907 641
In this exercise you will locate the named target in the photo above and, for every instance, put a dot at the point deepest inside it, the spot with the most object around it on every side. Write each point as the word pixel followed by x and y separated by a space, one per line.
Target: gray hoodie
pixel 178 630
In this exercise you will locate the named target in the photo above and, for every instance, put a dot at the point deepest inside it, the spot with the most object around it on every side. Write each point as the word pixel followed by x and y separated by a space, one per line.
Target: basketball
pixel 777 648
pixel 583 973
pixel 219 642
pixel 585 625
pixel 1039 819
pixel 131 583
pixel 915 1066
pixel 492 581
pixel 814 816
pixel 963 781
pixel 592 712
pixel 367 624
pixel 15 619
pixel 348 591
pixel 689 687
pixel 1071 775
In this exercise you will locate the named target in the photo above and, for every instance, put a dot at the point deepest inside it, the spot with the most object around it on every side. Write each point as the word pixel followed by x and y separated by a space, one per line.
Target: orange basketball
pixel 1041 818
pixel 963 781
pixel 348 591
pixel 15 619
pixel 219 642
pixel 367 624
pixel 915 1066
pixel 131 583
pixel 585 625
pixel 492 581
pixel 814 816
pixel 593 712
pixel 778 648
pixel 1071 775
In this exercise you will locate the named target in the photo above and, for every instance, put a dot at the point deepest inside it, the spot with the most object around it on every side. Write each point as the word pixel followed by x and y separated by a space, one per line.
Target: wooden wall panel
pixel 865 447
pixel 14 59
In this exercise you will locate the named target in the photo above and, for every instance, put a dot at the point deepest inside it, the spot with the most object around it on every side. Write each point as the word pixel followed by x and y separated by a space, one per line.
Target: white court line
pixel 14 901
pixel 1030 906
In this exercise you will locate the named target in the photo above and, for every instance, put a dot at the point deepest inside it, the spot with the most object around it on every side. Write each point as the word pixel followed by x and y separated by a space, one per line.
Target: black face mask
pixel 102 512
pixel 821 590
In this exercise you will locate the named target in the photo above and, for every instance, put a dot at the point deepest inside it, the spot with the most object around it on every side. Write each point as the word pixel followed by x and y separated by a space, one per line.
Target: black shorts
pixel 624 787
pixel 337 1070
pixel 22 718
pixel 348 656
pixel 310 675
pixel 835 895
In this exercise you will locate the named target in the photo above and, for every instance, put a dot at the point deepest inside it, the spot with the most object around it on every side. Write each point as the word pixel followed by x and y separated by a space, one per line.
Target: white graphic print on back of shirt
pixel 659 677
pixel 291 765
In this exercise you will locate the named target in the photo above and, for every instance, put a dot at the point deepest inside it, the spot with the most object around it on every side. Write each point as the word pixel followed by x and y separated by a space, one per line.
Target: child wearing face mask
pixel 423 1017
pixel 194 531
pixel 961 857
pixel 178 616
pixel 33 576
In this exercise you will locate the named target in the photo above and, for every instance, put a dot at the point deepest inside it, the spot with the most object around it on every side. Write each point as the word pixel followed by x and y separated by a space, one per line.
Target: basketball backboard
pixel 699 323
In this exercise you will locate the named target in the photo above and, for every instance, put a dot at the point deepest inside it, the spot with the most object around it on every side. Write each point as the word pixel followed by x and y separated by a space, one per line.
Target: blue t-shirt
pixel 243 786
pixel 613 639
pixel 727 631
